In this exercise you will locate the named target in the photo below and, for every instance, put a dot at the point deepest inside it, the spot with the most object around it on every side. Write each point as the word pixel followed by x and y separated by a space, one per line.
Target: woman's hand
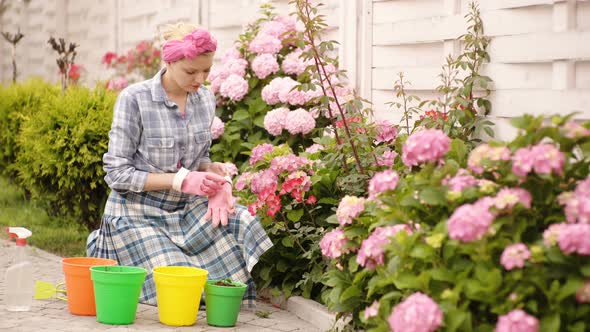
pixel 217 168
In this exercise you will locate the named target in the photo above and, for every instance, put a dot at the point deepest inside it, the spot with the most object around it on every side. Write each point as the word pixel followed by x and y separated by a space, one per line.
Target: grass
pixel 58 236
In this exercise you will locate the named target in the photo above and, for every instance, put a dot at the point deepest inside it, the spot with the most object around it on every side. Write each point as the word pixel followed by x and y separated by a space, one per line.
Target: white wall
pixel 540 49
pixel 540 52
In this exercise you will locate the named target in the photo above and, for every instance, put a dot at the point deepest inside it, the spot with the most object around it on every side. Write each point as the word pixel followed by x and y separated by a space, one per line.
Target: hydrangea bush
pixel 138 63
pixel 496 239
pixel 268 90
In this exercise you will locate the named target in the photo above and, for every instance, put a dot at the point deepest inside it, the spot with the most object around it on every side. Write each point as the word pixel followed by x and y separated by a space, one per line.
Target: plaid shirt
pixel 149 134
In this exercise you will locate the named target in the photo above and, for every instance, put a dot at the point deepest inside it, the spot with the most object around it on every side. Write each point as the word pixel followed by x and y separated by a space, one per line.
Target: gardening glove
pixel 220 205
pixel 197 183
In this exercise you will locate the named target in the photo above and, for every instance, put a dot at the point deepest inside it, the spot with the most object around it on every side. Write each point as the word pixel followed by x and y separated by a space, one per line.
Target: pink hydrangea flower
pixel 574 130
pixel 293 64
pixel 265 43
pixel 234 87
pixel 289 22
pixel 259 151
pixel 117 83
pixel 551 234
pixel 371 254
pixel 263 180
pixel 231 168
pixel 270 93
pixel 315 148
pixel 542 158
pixel 243 181
pixel 461 181
pixel 387 159
pixel 289 163
pixel 217 128
pixel 382 181
pixel 489 153
pixel 417 313
pixel 332 243
pixel 349 208
pixel 231 53
pixel 515 256
pixel 235 66
pixel 287 84
pixel 577 204
pixel 470 222
pixel 264 65
pixel 429 145
pixel 507 198
pixel 517 320
pixel 583 294
pixel 386 131
pixel 299 121
pixel 372 310
pixel 274 121
pixel 299 97
pixel 575 238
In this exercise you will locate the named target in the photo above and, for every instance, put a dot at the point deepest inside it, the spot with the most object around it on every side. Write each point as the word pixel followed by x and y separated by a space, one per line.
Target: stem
pixel 310 214
pixel 321 68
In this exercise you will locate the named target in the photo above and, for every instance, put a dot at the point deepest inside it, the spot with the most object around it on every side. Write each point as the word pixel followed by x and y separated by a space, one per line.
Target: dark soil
pixel 224 283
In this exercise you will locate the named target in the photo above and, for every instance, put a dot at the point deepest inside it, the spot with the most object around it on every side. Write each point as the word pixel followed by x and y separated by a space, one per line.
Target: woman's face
pixel 189 74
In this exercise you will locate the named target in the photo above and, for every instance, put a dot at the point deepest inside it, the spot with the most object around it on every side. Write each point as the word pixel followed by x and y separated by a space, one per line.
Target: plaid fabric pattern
pixel 166 228
pixel 162 228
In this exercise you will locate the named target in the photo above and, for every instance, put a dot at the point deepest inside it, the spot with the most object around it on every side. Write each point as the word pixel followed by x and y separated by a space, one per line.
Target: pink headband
pixel 197 42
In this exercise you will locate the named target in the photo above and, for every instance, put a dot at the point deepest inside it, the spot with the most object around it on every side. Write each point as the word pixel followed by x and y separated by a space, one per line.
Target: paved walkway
pixel 53 315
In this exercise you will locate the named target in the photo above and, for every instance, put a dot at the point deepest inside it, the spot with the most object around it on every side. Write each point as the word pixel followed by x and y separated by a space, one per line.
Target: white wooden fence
pixel 540 49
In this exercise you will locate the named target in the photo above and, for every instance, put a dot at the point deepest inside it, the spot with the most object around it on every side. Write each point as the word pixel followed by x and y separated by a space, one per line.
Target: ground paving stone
pixel 53 315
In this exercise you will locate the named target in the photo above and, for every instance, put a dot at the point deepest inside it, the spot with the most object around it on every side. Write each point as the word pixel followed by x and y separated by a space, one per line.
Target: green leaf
pixel 350 292
pixel 287 242
pixel 550 323
pixel 295 215
pixel 240 115
pixel 433 196
pixel 570 288
pixel 585 270
pixel 422 251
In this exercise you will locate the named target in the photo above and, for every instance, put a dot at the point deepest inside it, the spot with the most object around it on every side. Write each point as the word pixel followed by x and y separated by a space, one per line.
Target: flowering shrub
pixel 139 63
pixel 493 240
pixel 268 90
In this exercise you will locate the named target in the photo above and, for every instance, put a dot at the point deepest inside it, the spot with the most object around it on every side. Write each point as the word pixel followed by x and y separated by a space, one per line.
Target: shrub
pixel 138 63
pixel 468 241
pixel 60 153
pixel 18 103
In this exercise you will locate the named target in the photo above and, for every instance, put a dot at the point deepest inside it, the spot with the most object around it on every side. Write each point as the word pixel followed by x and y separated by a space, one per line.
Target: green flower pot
pixel 223 303
pixel 116 290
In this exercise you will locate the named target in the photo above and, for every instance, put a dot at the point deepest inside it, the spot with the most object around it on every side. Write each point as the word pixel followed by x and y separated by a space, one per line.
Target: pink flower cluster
pixel 470 222
pixel 417 313
pixel 507 198
pixel 382 181
pixel 259 151
pixel 372 310
pixel 574 130
pixel 387 159
pixel 332 243
pixel 217 128
pixel 541 158
pixel 574 238
pixel 234 87
pixel 290 163
pixel 299 121
pixel 264 65
pixel 517 320
pixel 231 66
pixel 231 168
pixel 243 181
pixel 577 204
pixel 489 154
pixel 279 27
pixel 429 145
pixel 293 64
pixel 274 121
pixel 583 294
pixel 315 148
pixel 551 234
pixel 117 83
pixel 461 181
pixel 371 254
pixel 386 131
pixel 349 208
pixel 515 256
pixel 265 44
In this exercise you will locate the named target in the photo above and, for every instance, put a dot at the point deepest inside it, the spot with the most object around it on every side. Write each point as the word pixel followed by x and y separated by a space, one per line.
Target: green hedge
pixel 58 149
pixel 18 102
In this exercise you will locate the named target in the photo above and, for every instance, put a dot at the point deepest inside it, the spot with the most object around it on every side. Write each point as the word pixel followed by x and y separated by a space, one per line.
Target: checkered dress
pixel 163 228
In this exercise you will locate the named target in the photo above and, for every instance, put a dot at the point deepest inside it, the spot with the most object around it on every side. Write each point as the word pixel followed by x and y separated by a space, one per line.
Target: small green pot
pixel 223 303
pixel 116 290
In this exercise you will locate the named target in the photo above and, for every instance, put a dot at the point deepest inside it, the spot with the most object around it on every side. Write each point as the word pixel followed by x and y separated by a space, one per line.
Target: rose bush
pixel 138 63
pixel 495 239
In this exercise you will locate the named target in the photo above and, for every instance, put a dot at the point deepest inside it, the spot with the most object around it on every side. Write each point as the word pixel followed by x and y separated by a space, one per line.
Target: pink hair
pixel 197 42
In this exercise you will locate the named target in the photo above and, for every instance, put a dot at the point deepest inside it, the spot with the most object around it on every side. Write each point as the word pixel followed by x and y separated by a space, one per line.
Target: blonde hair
pixel 177 31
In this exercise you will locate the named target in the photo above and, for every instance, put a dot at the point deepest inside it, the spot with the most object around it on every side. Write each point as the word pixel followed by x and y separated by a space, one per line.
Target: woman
pixel 167 197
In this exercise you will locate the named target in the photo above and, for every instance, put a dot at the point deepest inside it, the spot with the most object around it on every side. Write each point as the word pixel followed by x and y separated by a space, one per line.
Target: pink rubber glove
pixel 202 183
pixel 220 206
